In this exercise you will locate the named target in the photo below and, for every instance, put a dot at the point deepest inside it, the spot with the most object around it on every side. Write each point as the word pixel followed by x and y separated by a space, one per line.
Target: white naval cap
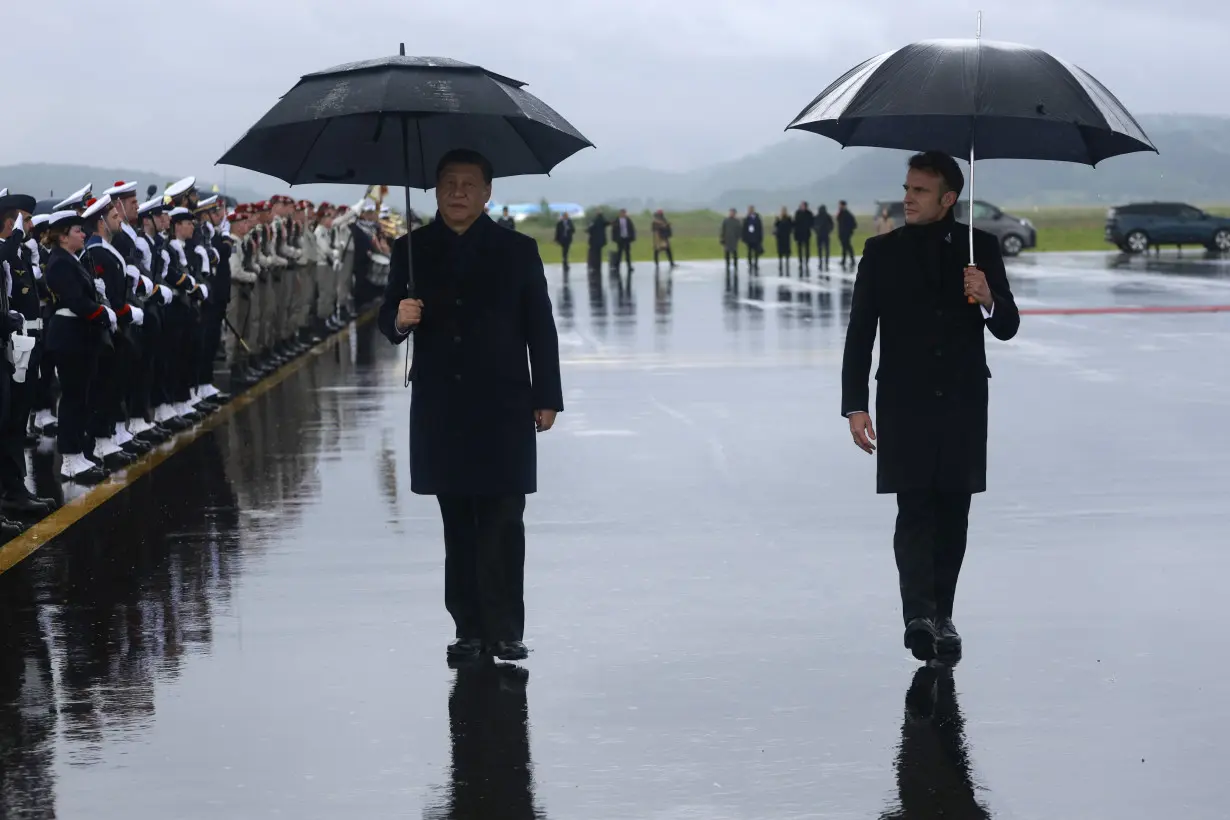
pixel 180 214
pixel 64 218
pixel 182 187
pixel 122 189
pixel 40 219
pixel 75 199
pixel 367 205
pixel 155 204
pixel 99 207
pixel 4 191
pixel 207 203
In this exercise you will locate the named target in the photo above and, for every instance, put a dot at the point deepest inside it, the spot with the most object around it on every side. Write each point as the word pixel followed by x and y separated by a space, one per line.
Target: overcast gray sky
pixel 671 84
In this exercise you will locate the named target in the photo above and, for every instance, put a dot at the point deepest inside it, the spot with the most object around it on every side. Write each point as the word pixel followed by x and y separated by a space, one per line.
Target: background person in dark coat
pixel 482 303
pixel 846 226
pixel 564 231
pixel 753 237
pixel 824 232
pixel 804 224
pixel 597 240
pixel 932 385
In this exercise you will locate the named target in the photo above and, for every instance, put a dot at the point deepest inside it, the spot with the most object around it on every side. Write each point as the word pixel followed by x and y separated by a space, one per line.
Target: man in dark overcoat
pixel 486 379
pixel 931 396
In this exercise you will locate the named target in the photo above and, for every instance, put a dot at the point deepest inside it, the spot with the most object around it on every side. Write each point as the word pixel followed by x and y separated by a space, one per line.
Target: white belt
pixel 34 324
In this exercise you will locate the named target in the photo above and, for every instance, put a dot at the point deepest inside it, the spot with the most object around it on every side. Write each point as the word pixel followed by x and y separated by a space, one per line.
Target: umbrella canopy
pixel 1002 100
pixel 389 121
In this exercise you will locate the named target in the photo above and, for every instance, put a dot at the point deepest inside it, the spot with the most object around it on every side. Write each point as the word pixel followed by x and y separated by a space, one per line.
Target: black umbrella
pixel 388 121
pixel 1006 100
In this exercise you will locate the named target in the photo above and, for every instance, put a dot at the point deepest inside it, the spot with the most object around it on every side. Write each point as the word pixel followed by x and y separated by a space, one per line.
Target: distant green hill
pixel 1194 165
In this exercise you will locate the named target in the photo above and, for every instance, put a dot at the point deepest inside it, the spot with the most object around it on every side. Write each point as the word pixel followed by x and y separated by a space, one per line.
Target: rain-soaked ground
pixel 256 627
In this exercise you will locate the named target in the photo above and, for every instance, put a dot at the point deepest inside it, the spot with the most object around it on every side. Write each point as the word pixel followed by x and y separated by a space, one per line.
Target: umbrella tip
pixel 403 49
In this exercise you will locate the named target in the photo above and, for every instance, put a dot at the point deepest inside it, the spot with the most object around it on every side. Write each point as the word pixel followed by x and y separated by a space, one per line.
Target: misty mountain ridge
pixel 1193 166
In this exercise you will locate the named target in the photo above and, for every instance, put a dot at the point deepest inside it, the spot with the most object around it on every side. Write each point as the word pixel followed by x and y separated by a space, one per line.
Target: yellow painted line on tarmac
pixel 26 544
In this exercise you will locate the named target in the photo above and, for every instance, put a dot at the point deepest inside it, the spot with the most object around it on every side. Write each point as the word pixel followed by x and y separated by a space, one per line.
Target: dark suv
pixel 1136 227
pixel 1014 234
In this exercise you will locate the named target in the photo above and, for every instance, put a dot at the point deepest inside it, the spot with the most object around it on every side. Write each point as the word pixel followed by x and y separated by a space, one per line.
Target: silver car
pixel 1015 234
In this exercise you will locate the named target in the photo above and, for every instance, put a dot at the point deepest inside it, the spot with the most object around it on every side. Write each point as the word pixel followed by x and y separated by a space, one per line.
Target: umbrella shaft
pixel 971 203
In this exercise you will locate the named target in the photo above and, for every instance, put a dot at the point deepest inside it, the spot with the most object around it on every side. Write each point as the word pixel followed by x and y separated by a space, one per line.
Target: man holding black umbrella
pixel 478 304
pixel 932 396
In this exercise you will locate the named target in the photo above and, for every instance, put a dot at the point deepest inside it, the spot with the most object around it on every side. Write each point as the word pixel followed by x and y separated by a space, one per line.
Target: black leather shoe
pixel 24 505
pixel 463 648
pixel 9 529
pixel 118 461
pixel 920 638
pixel 948 640
pixel 510 650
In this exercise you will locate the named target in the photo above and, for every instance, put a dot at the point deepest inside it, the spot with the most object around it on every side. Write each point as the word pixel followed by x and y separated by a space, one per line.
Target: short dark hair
pixel 464 156
pixel 937 162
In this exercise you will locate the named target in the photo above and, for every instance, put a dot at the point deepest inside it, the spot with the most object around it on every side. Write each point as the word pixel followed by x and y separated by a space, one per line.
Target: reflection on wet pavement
pixel 256 627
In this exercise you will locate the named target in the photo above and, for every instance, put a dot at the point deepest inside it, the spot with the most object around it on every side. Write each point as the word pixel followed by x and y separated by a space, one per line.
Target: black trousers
pixel 142 376
pixel 929 544
pixel 804 249
pixel 595 257
pixel 212 314
pixel 564 248
pixel 623 250
pixel 484 565
pixel 76 371
pixel 670 255
pixel 823 247
pixel 847 248
pixel 13 434
pixel 107 390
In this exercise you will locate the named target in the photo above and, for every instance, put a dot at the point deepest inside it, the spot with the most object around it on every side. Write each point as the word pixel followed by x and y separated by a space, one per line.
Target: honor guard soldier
pixel 19 303
pixel 79 328
pixel 112 445
pixel 213 309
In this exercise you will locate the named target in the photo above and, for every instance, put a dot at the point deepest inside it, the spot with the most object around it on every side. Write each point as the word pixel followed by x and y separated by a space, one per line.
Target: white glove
pixel 138 316
pixel 111 317
pixel 148 283
pixel 165 293
pixel 20 223
pixel 337 266
pixel 191 281
pixel 133 273
pixel 38 273
pixel 101 287
pixel 205 291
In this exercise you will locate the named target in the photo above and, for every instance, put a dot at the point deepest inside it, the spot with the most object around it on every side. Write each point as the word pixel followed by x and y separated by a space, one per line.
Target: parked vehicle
pixel 1015 234
pixel 1138 226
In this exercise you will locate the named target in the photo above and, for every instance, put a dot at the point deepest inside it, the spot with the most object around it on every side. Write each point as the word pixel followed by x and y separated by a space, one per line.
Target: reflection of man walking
pixel 846 225
pixel 932 386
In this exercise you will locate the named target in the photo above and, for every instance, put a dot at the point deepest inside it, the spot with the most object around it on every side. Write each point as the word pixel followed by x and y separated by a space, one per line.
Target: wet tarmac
pixel 255 628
